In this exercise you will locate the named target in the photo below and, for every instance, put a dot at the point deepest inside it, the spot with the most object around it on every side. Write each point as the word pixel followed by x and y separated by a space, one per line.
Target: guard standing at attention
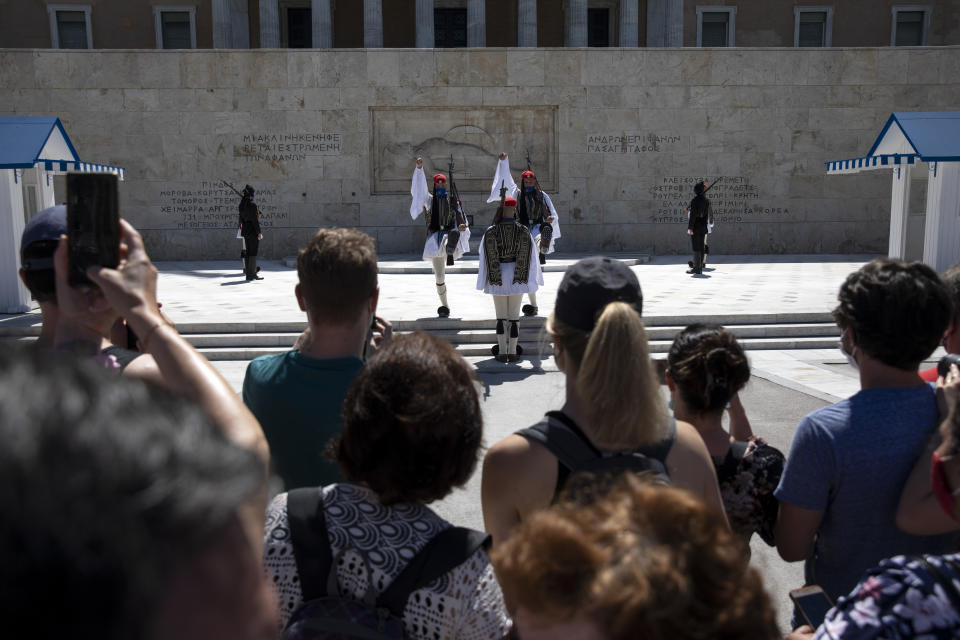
pixel 250 230
pixel 698 225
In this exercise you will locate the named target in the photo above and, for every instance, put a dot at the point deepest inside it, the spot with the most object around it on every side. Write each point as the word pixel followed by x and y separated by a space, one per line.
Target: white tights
pixel 508 309
pixel 439 273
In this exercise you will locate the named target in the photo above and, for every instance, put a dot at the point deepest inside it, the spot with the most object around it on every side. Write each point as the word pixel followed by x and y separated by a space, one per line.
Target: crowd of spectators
pixel 135 484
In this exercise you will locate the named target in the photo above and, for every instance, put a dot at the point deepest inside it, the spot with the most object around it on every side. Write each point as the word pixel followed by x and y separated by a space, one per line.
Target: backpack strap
pixel 446 550
pixel 311 547
pixel 563 438
pixel 731 461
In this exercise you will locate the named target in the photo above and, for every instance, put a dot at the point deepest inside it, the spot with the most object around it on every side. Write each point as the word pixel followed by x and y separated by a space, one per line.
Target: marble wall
pixel 617 136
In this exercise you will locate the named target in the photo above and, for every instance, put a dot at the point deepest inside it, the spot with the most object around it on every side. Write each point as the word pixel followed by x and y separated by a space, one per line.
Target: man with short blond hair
pixel 297 395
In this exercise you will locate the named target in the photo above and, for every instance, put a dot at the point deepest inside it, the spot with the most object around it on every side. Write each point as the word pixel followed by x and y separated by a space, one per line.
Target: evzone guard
pixel 699 224
pixel 508 269
pixel 448 235
pixel 534 210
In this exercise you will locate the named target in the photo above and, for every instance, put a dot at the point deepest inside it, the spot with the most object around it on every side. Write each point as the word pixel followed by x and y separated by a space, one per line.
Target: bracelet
pixel 145 337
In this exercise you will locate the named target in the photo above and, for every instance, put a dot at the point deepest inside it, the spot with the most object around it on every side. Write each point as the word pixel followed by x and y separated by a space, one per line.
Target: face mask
pixel 528 189
pixel 851 360
pixel 441 191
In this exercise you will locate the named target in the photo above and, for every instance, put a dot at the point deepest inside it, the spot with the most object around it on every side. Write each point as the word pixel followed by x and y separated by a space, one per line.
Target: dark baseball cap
pixel 589 286
pixel 48 225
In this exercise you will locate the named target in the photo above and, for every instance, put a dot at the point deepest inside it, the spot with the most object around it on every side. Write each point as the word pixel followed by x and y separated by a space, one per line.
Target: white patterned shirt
pixel 466 603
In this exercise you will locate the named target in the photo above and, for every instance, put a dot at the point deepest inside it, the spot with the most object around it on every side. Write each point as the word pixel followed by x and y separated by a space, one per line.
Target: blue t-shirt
pixel 851 460
pixel 298 401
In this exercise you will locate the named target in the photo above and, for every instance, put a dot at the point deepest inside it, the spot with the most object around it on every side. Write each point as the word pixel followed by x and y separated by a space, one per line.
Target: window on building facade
pixel 715 26
pixel 175 27
pixel 296 24
pixel 70 26
pixel 450 27
pixel 812 26
pixel 910 26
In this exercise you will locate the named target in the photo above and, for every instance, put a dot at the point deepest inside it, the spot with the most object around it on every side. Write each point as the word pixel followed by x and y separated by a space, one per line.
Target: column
pixel 322 24
pixel 527 23
pixel 673 18
pixel 664 23
pixel 656 12
pixel 269 24
pixel 575 29
pixel 222 24
pixel 629 23
pixel 14 297
pixel 426 33
pixel 240 24
pixel 476 23
pixel 372 24
pixel 941 235
pixel 899 212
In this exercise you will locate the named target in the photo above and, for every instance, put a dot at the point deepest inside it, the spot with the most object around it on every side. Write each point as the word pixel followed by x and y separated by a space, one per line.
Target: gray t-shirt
pixel 851 460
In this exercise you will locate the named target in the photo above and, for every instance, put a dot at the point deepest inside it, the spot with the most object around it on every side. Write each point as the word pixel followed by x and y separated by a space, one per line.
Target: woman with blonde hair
pixel 613 410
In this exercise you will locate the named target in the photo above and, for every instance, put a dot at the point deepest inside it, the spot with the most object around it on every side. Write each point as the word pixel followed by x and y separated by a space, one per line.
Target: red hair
pixel 641 561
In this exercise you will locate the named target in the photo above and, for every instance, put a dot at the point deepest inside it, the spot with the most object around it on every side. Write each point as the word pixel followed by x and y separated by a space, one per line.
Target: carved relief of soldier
pixel 509 268
pixel 535 211
pixel 448 234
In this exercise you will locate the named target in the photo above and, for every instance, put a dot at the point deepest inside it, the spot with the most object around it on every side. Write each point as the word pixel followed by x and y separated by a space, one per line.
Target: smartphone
pixel 813 604
pixel 93 223
pixel 366 345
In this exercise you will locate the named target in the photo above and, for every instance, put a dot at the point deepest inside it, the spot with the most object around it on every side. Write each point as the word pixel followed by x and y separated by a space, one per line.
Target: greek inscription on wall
pixel 286 147
pixel 732 198
pixel 631 142
pixel 213 205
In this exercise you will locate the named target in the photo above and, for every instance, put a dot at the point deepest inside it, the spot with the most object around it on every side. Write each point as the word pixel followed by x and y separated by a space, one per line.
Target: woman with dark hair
pixel 613 406
pixel 642 561
pixel 706 369
pixel 412 431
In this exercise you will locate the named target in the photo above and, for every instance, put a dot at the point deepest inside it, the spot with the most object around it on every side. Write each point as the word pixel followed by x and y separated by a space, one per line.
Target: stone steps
pixel 470 263
pixel 474 337
pixel 470 335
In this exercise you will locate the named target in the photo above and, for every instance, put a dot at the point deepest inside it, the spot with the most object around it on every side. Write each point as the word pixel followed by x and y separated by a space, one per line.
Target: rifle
pixel 530 168
pixel 498 216
pixel 234 189
pixel 462 219
pixel 711 185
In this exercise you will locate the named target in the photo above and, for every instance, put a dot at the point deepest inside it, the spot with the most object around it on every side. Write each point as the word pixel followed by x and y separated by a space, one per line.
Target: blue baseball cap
pixel 46 226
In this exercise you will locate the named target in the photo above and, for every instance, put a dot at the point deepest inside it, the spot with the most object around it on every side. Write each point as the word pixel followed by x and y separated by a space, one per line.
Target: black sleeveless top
pixel 656 451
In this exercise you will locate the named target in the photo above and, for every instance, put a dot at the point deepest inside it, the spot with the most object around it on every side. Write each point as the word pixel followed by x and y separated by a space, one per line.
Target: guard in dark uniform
pixel 250 230
pixel 698 224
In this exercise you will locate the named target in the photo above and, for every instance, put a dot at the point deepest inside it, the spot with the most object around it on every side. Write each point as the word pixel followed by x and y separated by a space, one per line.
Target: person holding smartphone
pixel 297 395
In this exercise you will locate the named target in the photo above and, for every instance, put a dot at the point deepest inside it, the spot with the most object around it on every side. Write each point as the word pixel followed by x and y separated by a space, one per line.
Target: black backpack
pixel 324 613
pixel 564 439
